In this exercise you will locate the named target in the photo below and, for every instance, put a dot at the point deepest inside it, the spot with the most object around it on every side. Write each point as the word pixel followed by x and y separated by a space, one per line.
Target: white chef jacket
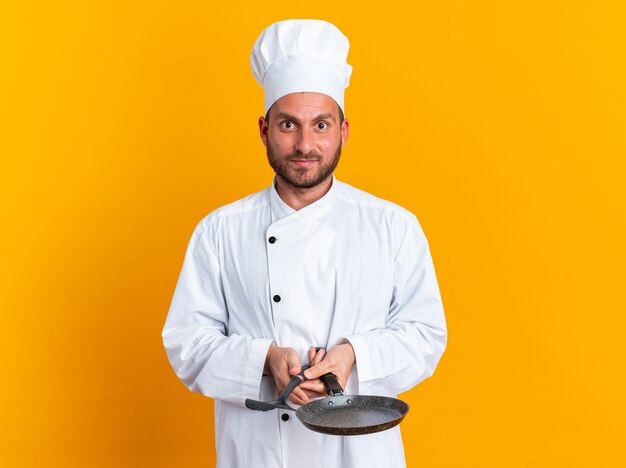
pixel 348 267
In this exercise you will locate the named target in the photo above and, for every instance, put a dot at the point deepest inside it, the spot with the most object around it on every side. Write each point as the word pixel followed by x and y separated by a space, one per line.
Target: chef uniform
pixel 349 267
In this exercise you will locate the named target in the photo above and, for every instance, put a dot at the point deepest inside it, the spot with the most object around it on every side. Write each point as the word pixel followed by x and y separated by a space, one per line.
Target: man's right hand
pixel 282 364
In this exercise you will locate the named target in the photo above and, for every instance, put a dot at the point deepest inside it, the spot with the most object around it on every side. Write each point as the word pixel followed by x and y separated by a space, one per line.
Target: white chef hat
pixel 301 55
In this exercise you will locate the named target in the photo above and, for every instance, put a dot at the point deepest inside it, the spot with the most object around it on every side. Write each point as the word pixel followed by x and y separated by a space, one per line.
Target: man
pixel 309 261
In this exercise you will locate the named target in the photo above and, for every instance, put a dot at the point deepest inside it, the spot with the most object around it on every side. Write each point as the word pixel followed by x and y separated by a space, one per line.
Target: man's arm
pixel 205 359
pixel 393 359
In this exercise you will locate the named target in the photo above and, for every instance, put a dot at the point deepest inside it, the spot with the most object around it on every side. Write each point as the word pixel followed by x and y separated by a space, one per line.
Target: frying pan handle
pixel 332 384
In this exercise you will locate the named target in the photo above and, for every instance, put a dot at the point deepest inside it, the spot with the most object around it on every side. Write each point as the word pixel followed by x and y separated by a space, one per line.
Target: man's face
pixel 304 138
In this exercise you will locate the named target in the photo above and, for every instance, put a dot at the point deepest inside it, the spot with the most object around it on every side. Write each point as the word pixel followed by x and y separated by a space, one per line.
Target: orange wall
pixel 499 124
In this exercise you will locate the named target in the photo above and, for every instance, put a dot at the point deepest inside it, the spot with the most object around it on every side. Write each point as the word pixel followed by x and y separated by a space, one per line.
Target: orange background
pixel 499 124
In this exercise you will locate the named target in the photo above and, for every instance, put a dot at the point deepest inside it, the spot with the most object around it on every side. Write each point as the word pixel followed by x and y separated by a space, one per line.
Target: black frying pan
pixel 341 414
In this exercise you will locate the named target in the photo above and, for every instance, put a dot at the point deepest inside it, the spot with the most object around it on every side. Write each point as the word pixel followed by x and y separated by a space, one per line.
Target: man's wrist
pixel 270 350
pixel 348 346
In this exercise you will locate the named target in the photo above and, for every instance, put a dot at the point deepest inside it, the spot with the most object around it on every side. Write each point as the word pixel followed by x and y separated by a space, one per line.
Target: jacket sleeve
pixel 406 351
pixel 195 335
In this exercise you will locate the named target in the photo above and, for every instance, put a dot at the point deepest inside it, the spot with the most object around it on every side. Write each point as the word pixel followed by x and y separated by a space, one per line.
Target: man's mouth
pixel 303 162
pixel 314 158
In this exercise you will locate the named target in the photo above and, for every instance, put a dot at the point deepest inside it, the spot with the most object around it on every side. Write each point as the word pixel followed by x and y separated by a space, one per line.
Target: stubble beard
pixel 301 178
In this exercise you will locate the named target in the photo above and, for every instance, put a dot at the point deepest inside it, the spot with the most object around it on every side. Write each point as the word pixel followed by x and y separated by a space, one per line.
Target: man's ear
pixel 345 127
pixel 263 127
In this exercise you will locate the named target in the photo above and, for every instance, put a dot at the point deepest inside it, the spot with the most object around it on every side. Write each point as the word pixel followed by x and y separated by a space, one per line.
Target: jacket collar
pixel 314 211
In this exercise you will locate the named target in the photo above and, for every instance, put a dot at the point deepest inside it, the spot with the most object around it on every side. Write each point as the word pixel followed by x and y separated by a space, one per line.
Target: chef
pixel 309 261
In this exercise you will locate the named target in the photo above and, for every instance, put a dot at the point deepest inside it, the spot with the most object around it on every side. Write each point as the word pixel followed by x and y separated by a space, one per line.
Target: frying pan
pixel 341 414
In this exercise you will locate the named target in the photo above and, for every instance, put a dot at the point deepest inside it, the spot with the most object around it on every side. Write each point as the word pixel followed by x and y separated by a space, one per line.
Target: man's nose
pixel 306 141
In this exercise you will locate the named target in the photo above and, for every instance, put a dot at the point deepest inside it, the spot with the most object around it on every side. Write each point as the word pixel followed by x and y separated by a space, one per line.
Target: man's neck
pixel 297 198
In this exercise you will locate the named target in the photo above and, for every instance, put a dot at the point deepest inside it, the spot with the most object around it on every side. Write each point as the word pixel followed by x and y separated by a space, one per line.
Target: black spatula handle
pixel 293 383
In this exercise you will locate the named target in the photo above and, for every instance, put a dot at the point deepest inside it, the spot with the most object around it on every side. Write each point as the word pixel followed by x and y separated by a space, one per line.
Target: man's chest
pixel 300 273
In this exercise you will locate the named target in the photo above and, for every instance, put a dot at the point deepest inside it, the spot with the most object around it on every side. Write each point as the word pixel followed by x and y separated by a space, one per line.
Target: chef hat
pixel 301 55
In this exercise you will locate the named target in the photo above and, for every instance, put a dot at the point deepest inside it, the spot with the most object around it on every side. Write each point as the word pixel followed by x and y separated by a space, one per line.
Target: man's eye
pixel 287 124
pixel 322 125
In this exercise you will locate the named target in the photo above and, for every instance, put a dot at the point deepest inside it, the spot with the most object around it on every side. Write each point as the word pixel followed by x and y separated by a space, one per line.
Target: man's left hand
pixel 338 360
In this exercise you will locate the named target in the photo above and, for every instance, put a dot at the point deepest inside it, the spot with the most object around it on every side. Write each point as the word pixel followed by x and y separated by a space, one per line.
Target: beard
pixel 302 178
